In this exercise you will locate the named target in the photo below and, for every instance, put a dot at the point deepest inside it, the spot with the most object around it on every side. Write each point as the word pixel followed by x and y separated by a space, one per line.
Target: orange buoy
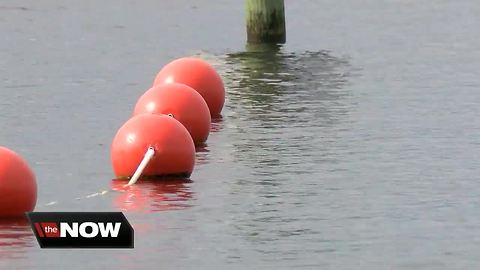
pixel 183 103
pixel 199 75
pixel 174 148
pixel 18 187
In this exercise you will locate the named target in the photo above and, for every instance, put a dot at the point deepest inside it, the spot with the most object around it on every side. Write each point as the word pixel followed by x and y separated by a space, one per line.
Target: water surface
pixel 355 145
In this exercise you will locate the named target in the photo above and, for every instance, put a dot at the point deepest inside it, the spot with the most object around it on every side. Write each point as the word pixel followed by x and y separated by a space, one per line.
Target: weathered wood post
pixel 265 21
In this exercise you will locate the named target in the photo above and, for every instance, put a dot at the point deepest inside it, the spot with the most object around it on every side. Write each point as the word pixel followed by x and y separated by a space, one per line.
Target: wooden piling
pixel 265 21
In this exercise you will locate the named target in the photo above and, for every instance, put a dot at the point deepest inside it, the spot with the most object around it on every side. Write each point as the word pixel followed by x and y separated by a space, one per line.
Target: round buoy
pixel 183 103
pixel 18 187
pixel 199 75
pixel 174 148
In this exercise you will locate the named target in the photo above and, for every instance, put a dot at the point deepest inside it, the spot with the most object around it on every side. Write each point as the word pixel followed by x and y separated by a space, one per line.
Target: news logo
pixel 81 229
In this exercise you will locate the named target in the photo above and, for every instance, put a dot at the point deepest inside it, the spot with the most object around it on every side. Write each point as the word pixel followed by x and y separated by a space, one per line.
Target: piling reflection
pixel 265 80
pixel 284 101
pixel 255 76
pixel 288 112
pixel 152 195
pixel 15 237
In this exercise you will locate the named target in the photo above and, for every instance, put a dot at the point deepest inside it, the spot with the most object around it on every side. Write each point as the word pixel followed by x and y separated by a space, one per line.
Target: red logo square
pixel 50 229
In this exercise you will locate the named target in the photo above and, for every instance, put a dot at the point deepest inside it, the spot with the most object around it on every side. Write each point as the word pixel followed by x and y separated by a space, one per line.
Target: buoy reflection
pixel 152 195
pixel 15 237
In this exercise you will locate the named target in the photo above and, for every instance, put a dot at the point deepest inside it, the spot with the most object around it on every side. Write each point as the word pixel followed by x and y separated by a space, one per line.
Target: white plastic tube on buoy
pixel 148 156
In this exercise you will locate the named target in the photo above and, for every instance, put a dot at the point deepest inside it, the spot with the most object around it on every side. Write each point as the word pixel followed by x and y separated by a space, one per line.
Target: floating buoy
pixel 183 103
pixel 18 187
pixel 199 75
pixel 174 148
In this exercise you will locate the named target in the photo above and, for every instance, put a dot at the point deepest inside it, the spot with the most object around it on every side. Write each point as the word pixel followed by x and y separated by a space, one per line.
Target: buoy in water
pixel 183 103
pixel 199 75
pixel 18 187
pixel 174 148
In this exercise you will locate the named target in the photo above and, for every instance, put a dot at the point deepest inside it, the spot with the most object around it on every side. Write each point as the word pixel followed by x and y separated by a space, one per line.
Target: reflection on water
pixel 287 102
pixel 274 85
pixel 217 124
pixel 152 196
pixel 285 114
pixel 15 237
pixel 202 154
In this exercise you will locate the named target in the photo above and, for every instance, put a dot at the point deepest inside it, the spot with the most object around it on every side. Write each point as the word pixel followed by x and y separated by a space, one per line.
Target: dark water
pixel 354 146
